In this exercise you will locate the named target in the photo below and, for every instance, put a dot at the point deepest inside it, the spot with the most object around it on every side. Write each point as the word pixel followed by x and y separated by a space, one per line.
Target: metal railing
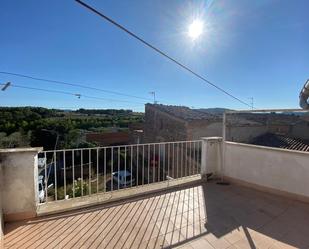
pixel 71 173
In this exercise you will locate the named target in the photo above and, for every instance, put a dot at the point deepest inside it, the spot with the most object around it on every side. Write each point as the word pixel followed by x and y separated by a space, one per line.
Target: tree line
pixel 37 126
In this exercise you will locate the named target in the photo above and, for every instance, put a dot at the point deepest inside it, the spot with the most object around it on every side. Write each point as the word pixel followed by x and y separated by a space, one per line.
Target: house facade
pixel 178 123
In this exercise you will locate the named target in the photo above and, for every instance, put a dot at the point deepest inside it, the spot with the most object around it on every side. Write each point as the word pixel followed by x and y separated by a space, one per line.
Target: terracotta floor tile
pixel 201 244
pixel 203 216
pixel 174 237
pixel 218 243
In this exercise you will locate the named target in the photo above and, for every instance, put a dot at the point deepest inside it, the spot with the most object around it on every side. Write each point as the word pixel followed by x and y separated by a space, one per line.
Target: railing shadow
pixel 248 218
pixel 218 215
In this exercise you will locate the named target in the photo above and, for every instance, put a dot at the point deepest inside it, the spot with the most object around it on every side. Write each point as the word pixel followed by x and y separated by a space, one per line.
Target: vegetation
pixel 37 126
pixel 78 185
pixel 104 111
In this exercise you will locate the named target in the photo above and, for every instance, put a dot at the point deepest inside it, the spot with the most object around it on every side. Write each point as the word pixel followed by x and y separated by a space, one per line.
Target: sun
pixel 195 29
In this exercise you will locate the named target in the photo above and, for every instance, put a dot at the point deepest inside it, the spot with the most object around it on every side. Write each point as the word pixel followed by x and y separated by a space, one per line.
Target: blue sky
pixel 250 48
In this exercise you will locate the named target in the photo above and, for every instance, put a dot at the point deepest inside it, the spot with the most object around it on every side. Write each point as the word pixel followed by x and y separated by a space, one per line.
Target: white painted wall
pixel 211 155
pixel 19 182
pixel 278 169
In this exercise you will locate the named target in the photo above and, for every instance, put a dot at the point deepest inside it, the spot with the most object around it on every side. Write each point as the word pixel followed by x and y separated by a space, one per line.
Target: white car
pixel 124 178
pixel 41 193
pixel 41 162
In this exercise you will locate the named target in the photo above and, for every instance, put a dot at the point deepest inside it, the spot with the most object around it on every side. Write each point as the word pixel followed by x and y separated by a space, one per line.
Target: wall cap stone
pixel 212 138
pixel 266 148
pixel 28 149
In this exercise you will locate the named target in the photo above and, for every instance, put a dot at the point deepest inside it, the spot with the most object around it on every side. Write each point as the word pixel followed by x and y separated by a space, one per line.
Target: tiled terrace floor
pixel 201 216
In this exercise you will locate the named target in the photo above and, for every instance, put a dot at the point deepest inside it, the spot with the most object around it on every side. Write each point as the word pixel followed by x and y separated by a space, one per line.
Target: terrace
pixel 168 200
pixel 203 215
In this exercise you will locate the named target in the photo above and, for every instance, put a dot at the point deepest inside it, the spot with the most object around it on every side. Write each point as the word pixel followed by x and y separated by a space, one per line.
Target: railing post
pixel 211 156
pixel 19 182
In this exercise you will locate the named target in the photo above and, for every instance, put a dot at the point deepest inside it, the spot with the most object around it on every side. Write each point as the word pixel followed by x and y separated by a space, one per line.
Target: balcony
pixel 264 206
pixel 203 215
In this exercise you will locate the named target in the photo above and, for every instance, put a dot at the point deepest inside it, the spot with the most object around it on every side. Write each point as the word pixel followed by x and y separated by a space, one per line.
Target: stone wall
pixel 204 128
pixel 300 130
pixel 108 138
pixel 162 127
pixel 243 127
pixel 244 134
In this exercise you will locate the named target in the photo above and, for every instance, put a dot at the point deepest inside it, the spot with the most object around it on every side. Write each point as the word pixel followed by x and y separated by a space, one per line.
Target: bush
pixel 78 187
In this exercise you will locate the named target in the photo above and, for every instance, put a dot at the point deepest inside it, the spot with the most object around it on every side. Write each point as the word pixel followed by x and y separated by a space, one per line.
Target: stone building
pixel 245 127
pixel 108 138
pixel 179 123
pixel 164 123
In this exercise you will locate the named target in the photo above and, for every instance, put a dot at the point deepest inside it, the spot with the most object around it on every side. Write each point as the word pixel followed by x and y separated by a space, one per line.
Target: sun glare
pixel 195 29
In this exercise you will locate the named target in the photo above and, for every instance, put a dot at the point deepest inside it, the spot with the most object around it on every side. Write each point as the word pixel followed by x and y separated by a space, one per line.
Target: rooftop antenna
pixel 153 93
pixel 251 103
pixel 6 86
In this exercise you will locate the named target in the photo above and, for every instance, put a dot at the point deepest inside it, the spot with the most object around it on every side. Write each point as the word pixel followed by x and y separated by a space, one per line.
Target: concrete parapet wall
pixel 285 171
pixel 211 155
pixel 19 183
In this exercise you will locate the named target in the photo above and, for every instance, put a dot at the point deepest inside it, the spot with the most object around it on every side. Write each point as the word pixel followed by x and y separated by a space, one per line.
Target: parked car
pixel 41 193
pixel 124 178
pixel 41 162
pixel 41 188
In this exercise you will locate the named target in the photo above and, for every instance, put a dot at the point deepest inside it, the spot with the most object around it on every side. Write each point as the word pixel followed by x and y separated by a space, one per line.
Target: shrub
pixel 80 187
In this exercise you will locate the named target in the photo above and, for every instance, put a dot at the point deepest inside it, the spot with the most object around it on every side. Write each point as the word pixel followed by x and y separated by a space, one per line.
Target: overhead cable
pixel 160 51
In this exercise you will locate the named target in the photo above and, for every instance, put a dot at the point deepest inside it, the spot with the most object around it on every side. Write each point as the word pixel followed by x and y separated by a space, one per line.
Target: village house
pixel 108 138
pixel 179 123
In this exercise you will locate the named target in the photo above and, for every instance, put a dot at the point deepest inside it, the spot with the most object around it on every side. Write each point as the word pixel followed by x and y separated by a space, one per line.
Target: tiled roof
pixel 186 113
pixel 281 141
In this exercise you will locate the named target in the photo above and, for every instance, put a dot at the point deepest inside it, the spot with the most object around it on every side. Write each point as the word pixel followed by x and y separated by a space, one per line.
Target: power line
pixel 71 94
pixel 69 107
pixel 5 86
pixel 160 51
pixel 72 84
pixel 77 85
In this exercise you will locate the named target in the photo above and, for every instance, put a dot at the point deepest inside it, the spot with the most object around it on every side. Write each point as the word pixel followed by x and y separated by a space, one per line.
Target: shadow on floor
pixel 199 216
